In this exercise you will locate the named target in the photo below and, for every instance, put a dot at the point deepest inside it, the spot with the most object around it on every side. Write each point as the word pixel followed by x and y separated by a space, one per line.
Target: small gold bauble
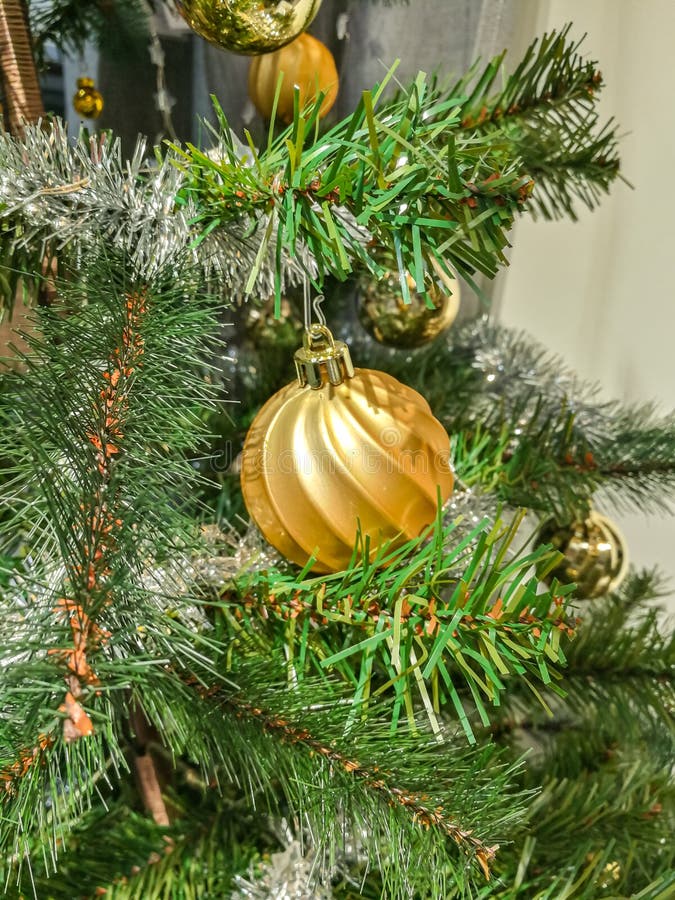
pixel 595 556
pixel 305 64
pixel 342 449
pixel 87 101
pixel 249 26
pixel 390 320
pixel 266 330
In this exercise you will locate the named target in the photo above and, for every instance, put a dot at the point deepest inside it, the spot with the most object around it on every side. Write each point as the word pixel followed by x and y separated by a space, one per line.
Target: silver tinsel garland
pixel 522 373
pixel 289 874
pixel 467 508
pixel 298 872
pixel 72 194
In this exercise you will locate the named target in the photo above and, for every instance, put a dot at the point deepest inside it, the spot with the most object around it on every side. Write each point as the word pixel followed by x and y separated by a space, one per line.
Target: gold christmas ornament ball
pixel 249 26
pixel 338 450
pixel 595 556
pixel 87 100
pixel 305 64
pixel 268 331
pixel 385 315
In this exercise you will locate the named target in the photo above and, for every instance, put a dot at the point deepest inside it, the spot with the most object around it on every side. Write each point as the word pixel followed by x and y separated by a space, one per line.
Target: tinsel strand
pixel 72 194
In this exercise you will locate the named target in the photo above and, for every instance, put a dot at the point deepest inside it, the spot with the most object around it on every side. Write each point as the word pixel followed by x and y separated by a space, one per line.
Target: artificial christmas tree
pixel 186 712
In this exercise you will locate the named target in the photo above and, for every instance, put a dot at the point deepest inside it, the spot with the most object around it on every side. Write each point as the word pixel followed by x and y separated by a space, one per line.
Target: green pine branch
pixel 540 458
pixel 48 784
pixel 602 819
pixel 94 432
pixel 66 197
pixel 402 173
pixel 21 270
pixel 114 847
pixel 378 175
pixel 439 624
pixel 620 814
pixel 288 751
pixel 621 663
pixel 526 427
pixel 547 109
pixel 624 633
pixel 551 74
pixel 455 813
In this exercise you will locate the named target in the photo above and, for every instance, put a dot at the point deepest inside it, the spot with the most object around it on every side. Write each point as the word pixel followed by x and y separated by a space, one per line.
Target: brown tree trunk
pixel 21 90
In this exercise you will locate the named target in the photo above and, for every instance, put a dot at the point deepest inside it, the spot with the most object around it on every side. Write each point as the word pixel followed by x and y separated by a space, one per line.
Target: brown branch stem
pixel 11 774
pixel 147 774
pixel 87 589
pixel 150 788
pixel 423 812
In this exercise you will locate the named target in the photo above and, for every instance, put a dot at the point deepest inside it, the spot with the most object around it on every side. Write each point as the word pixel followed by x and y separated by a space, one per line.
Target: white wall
pixel 600 292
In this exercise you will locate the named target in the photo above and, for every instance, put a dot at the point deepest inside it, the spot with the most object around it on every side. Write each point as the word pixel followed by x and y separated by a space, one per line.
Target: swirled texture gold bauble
pixel 249 26
pixel 595 555
pixel 390 320
pixel 317 462
pixel 87 101
pixel 306 64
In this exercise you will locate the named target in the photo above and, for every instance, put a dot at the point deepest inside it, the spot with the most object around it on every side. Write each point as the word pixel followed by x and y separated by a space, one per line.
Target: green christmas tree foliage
pixel 183 712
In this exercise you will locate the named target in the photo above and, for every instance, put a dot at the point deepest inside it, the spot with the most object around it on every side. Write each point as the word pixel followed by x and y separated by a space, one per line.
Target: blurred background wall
pixel 600 291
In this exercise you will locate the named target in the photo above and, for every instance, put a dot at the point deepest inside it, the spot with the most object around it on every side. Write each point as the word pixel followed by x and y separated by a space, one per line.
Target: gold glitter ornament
pixel 385 315
pixel 595 556
pixel 249 26
pixel 266 330
pixel 338 450
pixel 87 100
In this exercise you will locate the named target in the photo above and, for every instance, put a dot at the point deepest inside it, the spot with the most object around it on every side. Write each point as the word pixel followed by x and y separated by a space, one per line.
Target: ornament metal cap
pixel 322 359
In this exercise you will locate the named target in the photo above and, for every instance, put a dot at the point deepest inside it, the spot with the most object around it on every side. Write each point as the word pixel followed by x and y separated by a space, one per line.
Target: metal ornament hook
pixel 316 308
pixel 322 359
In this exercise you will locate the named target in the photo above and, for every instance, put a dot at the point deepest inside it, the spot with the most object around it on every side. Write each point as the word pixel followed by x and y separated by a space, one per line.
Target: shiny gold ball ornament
pixel 342 449
pixel 87 100
pixel 305 63
pixel 386 316
pixel 249 26
pixel 595 556
pixel 269 332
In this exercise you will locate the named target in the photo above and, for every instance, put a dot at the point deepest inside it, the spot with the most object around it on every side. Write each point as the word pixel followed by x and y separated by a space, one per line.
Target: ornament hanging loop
pixel 322 359
pixel 317 339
